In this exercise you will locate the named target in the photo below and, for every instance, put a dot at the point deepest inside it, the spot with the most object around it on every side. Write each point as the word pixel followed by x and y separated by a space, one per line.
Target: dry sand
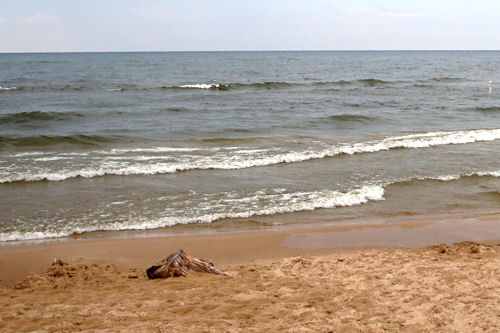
pixel 433 289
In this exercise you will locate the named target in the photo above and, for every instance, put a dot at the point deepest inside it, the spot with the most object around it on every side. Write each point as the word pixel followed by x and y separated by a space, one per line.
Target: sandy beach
pixel 353 278
pixel 244 166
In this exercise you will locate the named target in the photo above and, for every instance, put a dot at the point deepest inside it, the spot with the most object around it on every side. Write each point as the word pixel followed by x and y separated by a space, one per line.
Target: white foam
pixel 8 88
pixel 30 235
pixel 233 205
pixel 446 178
pixel 215 206
pixel 225 208
pixel 494 173
pixel 201 86
pixel 286 203
pixel 53 158
pixel 118 203
pixel 222 159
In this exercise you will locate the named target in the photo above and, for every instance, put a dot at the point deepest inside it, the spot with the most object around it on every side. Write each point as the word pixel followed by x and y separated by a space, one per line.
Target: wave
pixel 45 140
pixel 370 82
pixel 173 109
pixel 280 203
pixel 333 83
pixel 9 88
pixel 23 117
pixel 420 85
pixel 346 118
pixel 49 88
pixel 214 86
pixel 150 150
pixel 234 140
pixel 447 178
pixel 373 82
pixel 223 86
pixel 226 159
pixel 486 109
pixel 225 205
pixel 352 105
pixel 232 205
pixel 60 88
pixel 74 88
pixel 490 194
pixel 364 82
pixel 444 79
pixel 263 85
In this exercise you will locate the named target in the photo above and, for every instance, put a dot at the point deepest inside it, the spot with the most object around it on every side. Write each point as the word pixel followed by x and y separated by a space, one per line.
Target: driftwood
pixel 178 264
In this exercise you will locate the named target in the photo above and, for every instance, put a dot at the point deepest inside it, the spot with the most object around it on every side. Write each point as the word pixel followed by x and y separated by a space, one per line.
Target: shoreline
pixel 374 277
pixel 280 223
pixel 248 247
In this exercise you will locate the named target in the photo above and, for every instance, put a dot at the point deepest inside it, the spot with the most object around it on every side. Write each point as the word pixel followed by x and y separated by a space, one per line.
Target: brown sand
pixel 435 289
pixel 438 288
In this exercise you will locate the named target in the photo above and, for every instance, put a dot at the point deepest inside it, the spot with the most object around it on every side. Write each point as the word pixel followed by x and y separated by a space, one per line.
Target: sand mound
pixel 73 273
pixel 436 289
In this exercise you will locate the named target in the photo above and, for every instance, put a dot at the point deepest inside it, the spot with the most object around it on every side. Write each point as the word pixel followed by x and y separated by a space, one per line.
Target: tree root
pixel 178 264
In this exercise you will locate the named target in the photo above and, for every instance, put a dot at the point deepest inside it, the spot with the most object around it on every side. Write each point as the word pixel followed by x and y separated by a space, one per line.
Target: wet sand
pixel 17 261
pixel 352 278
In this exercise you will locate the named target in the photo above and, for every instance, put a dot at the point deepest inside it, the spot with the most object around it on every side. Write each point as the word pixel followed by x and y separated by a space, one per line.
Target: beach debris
pixel 178 264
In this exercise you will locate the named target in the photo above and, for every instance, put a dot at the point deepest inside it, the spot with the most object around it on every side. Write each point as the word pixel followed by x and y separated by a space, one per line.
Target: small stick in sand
pixel 178 264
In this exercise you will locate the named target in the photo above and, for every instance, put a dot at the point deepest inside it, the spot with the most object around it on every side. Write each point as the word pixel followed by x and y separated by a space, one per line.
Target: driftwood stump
pixel 178 264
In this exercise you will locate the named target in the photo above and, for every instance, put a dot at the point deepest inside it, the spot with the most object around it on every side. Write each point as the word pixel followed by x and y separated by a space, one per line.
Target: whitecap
pixel 8 88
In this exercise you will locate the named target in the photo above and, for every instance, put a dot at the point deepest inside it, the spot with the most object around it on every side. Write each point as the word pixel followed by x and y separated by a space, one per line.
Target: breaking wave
pixel 8 88
pixel 227 206
pixel 223 157
pixel 447 178
pixel 235 205
pixel 215 86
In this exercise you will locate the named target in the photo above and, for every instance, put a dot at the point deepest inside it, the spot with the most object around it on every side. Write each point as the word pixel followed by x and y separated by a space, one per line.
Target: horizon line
pixel 288 50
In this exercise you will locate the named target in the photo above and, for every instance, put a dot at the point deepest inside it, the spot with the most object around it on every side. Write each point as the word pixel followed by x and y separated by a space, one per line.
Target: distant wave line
pixel 366 82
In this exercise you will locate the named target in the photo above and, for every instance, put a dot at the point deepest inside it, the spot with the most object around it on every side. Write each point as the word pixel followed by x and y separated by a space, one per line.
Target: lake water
pixel 134 141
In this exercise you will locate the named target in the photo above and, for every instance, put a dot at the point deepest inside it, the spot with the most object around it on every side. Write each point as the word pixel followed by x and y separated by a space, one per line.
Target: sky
pixel 213 25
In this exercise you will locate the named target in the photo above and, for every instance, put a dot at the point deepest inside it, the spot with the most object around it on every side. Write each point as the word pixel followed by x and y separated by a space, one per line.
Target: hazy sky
pixel 154 25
